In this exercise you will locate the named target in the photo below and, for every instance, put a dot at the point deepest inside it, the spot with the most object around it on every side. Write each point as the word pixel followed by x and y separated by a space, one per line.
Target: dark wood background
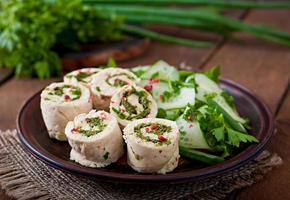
pixel 258 65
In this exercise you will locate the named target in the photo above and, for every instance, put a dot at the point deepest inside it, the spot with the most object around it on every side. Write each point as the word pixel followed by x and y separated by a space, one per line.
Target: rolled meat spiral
pixel 95 138
pixel 152 145
pixel 108 82
pixel 60 103
pixel 131 103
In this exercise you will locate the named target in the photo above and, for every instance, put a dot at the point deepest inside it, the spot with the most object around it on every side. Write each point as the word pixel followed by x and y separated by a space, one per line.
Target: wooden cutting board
pixel 98 54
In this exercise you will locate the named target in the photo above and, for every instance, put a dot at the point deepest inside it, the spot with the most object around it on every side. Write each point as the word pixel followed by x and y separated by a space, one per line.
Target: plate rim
pixel 248 154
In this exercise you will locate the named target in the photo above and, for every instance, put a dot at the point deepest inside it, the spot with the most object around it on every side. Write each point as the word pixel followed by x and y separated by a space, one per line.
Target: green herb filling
pixel 59 91
pixel 96 125
pixel 152 128
pixel 118 82
pixel 131 109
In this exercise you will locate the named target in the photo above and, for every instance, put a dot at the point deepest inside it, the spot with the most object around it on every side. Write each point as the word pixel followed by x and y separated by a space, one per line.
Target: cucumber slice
pixel 229 119
pixel 140 70
pixel 205 86
pixel 157 88
pixel 191 135
pixel 186 96
pixel 172 114
pixel 200 156
pixel 161 70
pixel 227 108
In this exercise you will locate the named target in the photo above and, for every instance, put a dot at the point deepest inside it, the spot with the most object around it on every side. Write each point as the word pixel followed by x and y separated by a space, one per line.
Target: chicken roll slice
pixel 152 145
pixel 108 82
pixel 60 103
pixel 131 103
pixel 95 138
pixel 82 76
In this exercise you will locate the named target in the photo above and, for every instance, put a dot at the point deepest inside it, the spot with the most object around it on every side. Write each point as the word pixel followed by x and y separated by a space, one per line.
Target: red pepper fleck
pixel 90 99
pixel 190 126
pixel 189 117
pixel 104 115
pixel 152 81
pixel 161 138
pixel 126 82
pixel 147 129
pixel 122 110
pixel 162 98
pixel 74 130
pixel 148 87
pixel 154 126
pixel 67 97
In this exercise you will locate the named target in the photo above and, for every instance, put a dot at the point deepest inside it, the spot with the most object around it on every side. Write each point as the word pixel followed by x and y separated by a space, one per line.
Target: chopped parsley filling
pixel 117 81
pixel 81 75
pixel 73 90
pixel 106 155
pixel 96 126
pixel 153 128
pixel 132 109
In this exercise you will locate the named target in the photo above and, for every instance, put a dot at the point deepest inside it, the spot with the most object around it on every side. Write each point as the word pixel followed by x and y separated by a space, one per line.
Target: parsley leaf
pixel 213 73
pixel 111 63
pixel 236 137
pixel 219 133
pixel 229 99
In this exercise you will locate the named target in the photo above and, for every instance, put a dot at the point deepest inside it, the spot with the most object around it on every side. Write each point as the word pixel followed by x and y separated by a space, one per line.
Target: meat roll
pixel 131 103
pixel 152 145
pixel 95 138
pixel 109 81
pixel 60 103
pixel 82 76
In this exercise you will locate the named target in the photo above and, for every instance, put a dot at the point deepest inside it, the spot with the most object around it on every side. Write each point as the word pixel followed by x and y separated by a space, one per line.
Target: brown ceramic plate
pixel 34 137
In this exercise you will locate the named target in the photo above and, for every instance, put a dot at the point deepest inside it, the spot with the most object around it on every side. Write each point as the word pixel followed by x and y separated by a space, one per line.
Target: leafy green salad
pixel 211 129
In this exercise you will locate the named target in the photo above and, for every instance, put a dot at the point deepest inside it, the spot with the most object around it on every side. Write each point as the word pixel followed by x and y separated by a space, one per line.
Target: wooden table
pixel 258 65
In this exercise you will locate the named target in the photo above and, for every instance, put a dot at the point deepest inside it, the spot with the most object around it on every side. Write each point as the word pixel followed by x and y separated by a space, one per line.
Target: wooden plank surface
pixel 5 74
pixel 260 66
pixel 13 94
pixel 275 186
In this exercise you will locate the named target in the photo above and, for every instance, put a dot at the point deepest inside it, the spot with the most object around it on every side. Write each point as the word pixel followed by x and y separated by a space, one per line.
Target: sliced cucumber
pixel 191 135
pixel 186 96
pixel 140 70
pixel 205 86
pixel 190 79
pixel 222 103
pixel 183 75
pixel 200 156
pixel 229 119
pixel 172 114
pixel 157 88
pixel 161 70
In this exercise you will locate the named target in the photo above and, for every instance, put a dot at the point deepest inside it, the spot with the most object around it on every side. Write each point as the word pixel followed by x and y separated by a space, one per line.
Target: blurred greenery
pixel 32 32
pixel 30 29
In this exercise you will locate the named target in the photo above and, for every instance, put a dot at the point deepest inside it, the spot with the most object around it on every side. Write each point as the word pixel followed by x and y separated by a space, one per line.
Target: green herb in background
pixel 32 32
pixel 29 30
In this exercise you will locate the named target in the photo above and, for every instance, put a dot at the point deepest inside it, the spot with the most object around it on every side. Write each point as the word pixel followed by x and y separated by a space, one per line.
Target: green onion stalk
pixel 196 18
pixel 215 3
